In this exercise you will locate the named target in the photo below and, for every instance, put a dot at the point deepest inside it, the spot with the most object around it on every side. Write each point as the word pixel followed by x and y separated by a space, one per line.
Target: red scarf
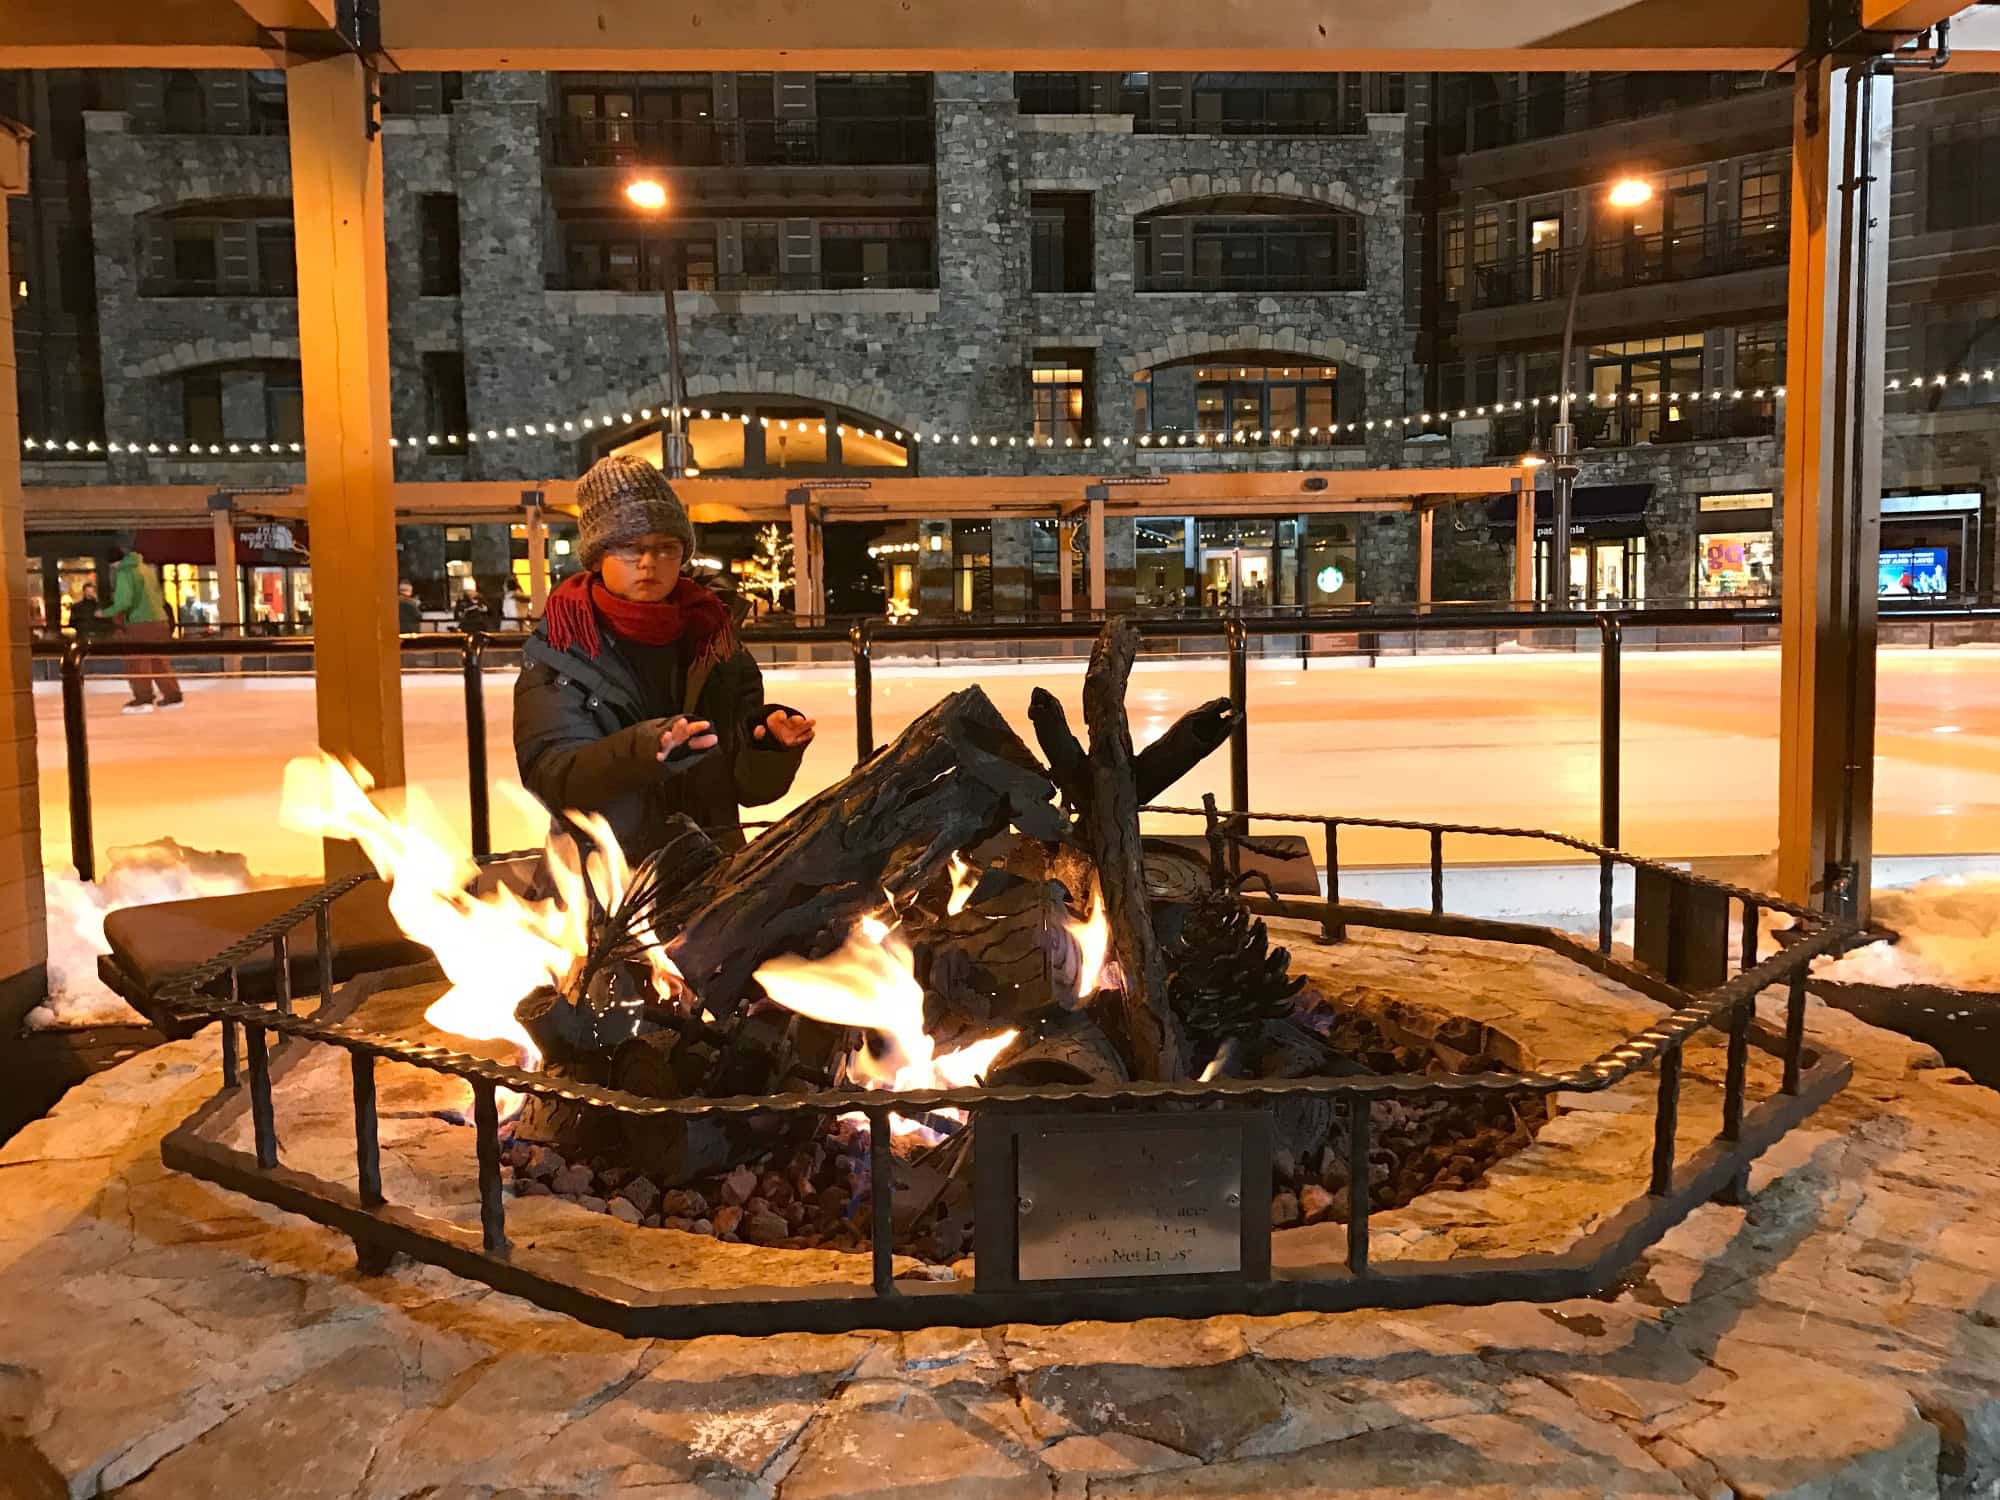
pixel 581 601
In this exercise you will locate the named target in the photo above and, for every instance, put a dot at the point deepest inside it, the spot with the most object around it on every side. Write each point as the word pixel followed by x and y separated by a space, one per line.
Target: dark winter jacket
pixel 587 739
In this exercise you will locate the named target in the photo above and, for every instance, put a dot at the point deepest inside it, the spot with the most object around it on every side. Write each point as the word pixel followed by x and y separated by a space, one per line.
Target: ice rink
pixel 1503 741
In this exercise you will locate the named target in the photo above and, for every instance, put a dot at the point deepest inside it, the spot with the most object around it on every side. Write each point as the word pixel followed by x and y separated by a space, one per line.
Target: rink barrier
pixel 1365 625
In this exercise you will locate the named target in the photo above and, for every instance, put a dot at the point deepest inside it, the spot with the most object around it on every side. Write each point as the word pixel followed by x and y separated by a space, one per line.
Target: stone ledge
pixel 1838 1338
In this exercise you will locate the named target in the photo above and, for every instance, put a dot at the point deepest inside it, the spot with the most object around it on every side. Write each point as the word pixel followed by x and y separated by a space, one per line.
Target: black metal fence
pixel 1000 1292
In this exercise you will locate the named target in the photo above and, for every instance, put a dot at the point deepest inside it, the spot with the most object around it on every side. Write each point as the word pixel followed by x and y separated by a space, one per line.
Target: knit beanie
pixel 622 499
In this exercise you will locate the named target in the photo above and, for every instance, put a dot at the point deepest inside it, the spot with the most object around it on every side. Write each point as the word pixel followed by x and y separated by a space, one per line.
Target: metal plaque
pixel 1112 1197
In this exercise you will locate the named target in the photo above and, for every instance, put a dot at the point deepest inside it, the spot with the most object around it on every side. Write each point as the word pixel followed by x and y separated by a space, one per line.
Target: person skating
pixel 86 614
pixel 635 700
pixel 139 611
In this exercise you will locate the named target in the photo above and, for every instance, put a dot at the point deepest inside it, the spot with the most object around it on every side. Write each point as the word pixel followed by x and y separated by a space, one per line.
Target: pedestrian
pixel 514 606
pixel 85 613
pixel 409 613
pixel 139 611
pixel 636 701
pixel 473 615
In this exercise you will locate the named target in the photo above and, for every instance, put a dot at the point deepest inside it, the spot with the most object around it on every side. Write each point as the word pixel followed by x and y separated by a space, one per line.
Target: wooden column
pixel 344 358
pixel 1098 591
pixel 228 577
pixel 1066 566
pixel 1426 541
pixel 1832 498
pixel 23 919
pixel 808 559
pixel 538 560
pixel 1524 543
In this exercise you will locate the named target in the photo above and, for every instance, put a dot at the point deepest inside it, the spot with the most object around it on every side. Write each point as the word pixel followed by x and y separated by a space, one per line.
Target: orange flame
pixel 1092 937
pixel 964 881
pixel 870 983
pixel 496 948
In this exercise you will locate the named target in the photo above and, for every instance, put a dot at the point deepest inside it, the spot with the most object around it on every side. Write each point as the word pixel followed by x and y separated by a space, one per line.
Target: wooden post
pixel 23 919
pixel 228 577
pixel 344 362
pixel 1066 566
pixel 1524 542
pixel 808 559
pixel 1832 498
pixel 1426 540
pixel 1098 591
pixel 538 559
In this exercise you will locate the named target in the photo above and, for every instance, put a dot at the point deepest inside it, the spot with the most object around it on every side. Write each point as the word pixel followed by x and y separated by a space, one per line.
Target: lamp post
pixel 1627 192
pixel 650 198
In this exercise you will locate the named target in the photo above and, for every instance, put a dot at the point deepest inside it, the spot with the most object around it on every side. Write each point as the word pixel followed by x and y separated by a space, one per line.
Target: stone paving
pixel 1838 1338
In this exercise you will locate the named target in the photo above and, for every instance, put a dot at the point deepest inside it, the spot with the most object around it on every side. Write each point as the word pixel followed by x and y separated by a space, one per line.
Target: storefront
pixel 1735 557
pixel 273 575
pixel 1607 544
pixel 1930 545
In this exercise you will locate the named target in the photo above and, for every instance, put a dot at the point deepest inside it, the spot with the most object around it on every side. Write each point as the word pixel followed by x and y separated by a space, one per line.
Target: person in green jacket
pixel 139 611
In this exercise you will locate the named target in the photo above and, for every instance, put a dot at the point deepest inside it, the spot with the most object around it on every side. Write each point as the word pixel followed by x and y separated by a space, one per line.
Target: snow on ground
pixel 1948 932
pixel 135 875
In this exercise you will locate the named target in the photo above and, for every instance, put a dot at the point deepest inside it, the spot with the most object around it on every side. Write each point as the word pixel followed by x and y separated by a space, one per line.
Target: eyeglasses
pixel 668 551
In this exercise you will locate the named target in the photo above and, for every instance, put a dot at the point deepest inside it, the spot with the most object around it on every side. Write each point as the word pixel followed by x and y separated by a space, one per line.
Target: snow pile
pixel 1947 929
pixel 134 875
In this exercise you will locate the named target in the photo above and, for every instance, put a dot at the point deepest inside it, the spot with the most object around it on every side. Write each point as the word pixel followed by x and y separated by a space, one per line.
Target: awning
pixel 279 545
pixel 1597 507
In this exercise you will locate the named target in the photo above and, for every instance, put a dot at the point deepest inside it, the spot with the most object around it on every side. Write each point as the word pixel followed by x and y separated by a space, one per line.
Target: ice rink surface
pixel 1503 741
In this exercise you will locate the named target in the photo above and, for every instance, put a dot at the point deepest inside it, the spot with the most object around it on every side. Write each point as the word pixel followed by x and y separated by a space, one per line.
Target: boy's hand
pixel 693 735
pixel 790 730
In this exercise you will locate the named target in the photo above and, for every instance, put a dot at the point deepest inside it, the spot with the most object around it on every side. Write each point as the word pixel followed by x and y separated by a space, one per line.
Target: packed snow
pixel 1946 935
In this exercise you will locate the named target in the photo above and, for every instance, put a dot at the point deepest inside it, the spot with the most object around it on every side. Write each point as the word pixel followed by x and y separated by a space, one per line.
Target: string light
pixel 49 446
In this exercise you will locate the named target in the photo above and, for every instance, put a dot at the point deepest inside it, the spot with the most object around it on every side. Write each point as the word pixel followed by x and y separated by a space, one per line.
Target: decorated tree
pixel 769 571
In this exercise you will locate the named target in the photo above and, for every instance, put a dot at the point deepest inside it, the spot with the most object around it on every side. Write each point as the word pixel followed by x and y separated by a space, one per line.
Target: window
pixel 284 407
pixel 1243 398
pixel 277 262
pixel 1485 237
pixel 1960 338
pixel 1061 246
pixel 1647 368
pixel 194 262
pixel 201 406
pixel 1763 191
pixel 184 105
pixel 1248 250
pixel 1050 93
pixel 1333 104
pixel 437 254
pixel 1760 356
pixel 1059 388
pixel 762 256
pixel 444 393
pixel 1454 255
pixel 1963 184
pixel 886 253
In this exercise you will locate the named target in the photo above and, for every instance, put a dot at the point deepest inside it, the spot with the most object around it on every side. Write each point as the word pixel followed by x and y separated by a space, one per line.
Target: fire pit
pixel 957 1003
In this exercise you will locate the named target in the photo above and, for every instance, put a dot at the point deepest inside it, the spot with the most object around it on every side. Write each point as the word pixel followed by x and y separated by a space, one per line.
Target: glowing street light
pixel 649 197
pixel 1626 193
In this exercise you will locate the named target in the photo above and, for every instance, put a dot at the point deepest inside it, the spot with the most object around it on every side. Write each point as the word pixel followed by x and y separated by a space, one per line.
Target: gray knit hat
pixel 622 499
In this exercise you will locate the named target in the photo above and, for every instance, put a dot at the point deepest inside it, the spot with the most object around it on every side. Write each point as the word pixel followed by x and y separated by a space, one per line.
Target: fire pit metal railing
pixel 1674 1187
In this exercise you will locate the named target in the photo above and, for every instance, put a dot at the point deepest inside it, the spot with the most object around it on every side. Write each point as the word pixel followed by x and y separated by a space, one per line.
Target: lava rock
pixel 533 1189
pixel 611 1179
pixel 1284 1210
pixel 642 1195
pixel 543 1164
pixel 727 1218
pixel 702 1226
pixel 622 1210
pixel 684 1203
pixel 573 1182
pixel 764 1228
pixel 739 1187
pixel 683 1225
pixel 593 1203
pixel 1315 1202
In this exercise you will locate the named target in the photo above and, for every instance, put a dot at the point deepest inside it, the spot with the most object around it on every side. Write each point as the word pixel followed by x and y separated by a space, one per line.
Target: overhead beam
pixel 1907 15
pixel 290 15
pixel 134 34
pixel 1108 35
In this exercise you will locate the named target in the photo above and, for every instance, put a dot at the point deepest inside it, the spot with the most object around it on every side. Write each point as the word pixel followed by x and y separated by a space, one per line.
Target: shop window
pixel 1062 242
pixel 1963 174
pixel 1060 392
pixel 1161 580
pixel 437 255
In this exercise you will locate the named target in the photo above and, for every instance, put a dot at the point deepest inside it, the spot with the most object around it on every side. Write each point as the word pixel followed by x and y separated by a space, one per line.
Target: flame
pixel 1092 937
pixel 870 983
pixel 964 880
pixel 496 948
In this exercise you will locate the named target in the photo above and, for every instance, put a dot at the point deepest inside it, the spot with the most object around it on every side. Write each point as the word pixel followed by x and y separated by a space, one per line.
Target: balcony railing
pixel 822 280
pixel 1628 422
pixel 1349 122
pixel 1601 99
pixel 1249 281
pixel 1354 97
pixel 208 286
pixel 1631 261
pixel 813 141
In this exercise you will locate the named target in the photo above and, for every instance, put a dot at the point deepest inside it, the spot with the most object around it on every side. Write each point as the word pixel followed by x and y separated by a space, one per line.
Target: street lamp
pixel 650 198
pixel 1626 193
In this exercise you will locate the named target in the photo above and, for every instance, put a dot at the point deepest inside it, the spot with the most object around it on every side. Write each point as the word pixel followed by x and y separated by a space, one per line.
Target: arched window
pixel 220 248
pixel 245 401
pixel 1254 392
pixel 1246 244
pixel 773 436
